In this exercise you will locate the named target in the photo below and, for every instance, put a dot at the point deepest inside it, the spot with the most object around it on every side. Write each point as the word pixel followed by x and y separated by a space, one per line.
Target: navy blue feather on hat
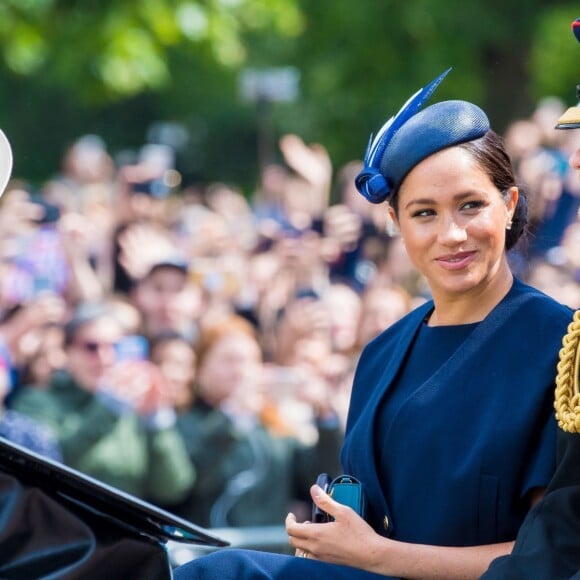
pixel 411 136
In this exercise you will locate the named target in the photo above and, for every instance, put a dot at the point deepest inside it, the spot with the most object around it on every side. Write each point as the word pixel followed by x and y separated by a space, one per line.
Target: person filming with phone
pixel 111 410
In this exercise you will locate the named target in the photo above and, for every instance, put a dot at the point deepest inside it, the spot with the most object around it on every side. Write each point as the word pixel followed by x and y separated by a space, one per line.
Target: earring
pixel 509 225
pixel 391 228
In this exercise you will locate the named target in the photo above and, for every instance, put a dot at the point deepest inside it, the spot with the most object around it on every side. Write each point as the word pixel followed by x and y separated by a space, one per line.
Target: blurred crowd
pixel 194 344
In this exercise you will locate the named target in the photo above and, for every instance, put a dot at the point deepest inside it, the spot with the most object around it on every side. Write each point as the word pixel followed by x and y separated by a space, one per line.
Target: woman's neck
pixel 471 306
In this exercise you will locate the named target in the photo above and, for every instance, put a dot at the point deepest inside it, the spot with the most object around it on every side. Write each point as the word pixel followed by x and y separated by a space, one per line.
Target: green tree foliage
pixel 69 67
pixel 106 49
pixel 361 60
pixel 554 56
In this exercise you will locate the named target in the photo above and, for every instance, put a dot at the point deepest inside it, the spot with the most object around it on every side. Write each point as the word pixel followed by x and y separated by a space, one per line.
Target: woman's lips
pixel 456 261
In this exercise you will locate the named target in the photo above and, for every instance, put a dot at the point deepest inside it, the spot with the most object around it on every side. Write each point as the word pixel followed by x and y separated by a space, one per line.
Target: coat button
pixel 386 523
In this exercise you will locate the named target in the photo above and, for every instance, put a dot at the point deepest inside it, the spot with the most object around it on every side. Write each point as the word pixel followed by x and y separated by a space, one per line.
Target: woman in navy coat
pixel 450 428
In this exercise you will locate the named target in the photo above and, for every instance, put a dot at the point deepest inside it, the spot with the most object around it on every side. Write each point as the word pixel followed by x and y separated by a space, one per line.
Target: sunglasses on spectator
pixel 93 346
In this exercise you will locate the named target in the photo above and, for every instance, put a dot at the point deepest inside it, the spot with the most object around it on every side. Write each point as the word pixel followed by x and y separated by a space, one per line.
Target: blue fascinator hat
pixel 413 135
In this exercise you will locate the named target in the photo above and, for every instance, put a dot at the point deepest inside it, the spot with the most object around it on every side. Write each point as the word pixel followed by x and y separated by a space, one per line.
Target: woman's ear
pixel 512 196
pixel 392 224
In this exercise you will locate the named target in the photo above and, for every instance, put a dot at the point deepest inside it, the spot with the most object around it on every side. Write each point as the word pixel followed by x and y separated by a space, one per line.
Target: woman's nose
pixel 451 232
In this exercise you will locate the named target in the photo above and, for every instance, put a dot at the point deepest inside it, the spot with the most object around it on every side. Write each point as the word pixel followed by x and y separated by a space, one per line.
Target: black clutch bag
pixel 344 489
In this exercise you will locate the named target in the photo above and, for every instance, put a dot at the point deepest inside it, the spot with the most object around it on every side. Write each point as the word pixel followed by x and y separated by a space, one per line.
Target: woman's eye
pixel 472 205
pixel 423 213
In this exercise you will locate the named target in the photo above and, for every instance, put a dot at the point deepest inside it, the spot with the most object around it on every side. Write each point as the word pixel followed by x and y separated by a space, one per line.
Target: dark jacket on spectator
pixel 112 445
pixel 247 476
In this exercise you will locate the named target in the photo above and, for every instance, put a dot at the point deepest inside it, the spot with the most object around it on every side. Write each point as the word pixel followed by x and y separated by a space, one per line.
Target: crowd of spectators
pixel 194 344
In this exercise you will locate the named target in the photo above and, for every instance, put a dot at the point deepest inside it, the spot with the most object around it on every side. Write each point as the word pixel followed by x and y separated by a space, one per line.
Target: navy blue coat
pixel 472 440
pixel 548 543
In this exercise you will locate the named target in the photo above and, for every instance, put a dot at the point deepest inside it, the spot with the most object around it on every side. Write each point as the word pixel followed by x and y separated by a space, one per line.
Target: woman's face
pixel 453 220
pixel 176 359
pixel 230 369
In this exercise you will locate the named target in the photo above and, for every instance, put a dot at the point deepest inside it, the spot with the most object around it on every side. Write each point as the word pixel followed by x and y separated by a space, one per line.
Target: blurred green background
pixel 222 79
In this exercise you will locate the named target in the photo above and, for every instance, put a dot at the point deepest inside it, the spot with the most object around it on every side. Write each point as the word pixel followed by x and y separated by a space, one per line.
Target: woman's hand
pixel 348 540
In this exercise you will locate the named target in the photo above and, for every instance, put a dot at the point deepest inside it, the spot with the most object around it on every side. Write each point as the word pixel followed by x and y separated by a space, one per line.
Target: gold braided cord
pixel 567 400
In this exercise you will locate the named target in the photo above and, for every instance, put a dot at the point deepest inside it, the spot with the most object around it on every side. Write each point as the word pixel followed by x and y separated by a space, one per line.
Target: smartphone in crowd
pixel 132 348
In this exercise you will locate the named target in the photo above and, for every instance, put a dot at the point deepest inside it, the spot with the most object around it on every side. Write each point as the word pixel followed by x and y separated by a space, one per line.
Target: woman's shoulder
pixel 394 339
pixel 408 323
pixel 536 317
pixel 540 302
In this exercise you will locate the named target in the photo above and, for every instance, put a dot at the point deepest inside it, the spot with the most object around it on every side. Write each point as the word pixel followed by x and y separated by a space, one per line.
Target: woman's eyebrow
pixel 431 200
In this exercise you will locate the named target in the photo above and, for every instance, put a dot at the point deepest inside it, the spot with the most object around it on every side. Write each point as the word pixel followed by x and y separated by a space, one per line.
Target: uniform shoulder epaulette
pixel 567 399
